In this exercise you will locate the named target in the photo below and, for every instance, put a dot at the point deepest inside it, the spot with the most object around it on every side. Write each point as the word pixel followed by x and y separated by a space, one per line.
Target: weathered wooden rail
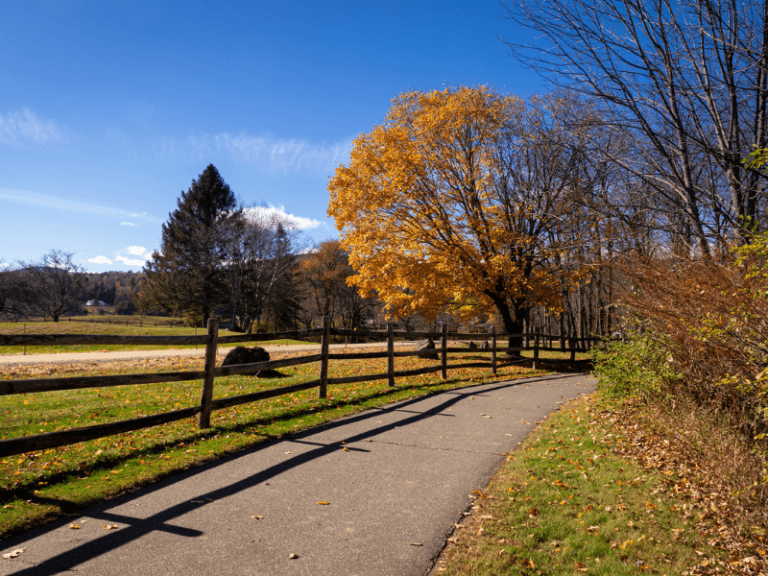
pixel 210 372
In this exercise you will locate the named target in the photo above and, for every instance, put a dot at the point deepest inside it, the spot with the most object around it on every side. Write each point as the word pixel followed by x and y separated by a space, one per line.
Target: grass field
pixel 119 325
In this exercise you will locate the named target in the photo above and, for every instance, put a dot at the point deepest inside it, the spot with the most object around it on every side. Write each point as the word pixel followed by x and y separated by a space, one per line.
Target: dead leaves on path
pixel 14 554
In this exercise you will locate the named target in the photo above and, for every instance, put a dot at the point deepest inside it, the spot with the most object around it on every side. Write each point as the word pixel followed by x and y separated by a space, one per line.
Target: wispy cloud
pixel 22 129
pixel 290 220
pixel 100 260
pixel 266 153
pixel 68 205
pixel 127 224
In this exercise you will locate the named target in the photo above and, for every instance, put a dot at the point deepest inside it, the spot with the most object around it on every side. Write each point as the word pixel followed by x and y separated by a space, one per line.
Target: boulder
pixel 427 349
pixel 243 355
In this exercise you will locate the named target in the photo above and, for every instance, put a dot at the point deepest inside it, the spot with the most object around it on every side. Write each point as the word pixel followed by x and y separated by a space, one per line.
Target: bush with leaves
pixel 714 318
pixel 638 366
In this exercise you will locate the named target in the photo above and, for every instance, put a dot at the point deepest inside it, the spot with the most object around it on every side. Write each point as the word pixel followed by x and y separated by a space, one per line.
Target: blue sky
pixel 108 110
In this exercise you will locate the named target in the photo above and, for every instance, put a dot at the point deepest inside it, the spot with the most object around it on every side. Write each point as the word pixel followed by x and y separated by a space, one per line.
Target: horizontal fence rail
pixel 211 340
pixel 70 339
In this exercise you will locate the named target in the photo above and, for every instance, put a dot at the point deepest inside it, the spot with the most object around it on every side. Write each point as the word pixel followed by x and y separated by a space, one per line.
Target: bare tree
pixel 13 290
pixel 324 273
pixel 55 285
pixel 684 81
pixel 262 250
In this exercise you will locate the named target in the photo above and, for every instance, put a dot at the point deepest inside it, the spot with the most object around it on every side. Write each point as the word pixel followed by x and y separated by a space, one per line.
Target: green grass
pixel 45 484
pixel 131 326
pixel 565 503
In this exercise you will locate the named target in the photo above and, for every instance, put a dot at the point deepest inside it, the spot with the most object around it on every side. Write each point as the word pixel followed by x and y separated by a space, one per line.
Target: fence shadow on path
pixel 136 527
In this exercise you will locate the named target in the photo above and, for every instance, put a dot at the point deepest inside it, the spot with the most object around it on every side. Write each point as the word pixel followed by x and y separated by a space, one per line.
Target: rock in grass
pixel 243 355
pixel 427 349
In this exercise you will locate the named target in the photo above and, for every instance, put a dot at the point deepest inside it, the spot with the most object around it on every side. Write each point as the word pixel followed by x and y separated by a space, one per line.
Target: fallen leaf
pixel 293 557
pixel 74 527
pixel 197 501
pixel 323 503
pixel 110 526
pixel 13 554
pixel 416 544
pixel 257 517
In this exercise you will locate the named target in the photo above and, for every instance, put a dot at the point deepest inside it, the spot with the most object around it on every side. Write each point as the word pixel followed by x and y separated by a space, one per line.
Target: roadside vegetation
pixel 611 487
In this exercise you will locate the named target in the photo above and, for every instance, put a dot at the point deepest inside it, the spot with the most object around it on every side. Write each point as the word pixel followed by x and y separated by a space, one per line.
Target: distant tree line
pixel 54 287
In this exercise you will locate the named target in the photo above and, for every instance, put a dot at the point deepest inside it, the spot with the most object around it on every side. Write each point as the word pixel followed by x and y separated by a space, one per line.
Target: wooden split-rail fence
pixel 210 372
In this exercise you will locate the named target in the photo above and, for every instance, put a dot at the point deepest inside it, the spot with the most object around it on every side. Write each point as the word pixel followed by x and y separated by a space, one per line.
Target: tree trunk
pixel 513 324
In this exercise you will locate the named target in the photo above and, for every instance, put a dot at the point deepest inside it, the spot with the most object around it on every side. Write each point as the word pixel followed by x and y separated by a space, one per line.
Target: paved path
pixel 396 479
pixel 73 357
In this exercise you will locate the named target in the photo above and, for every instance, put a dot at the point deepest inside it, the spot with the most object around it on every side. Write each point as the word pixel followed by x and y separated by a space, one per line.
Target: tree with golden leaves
pixel 456 203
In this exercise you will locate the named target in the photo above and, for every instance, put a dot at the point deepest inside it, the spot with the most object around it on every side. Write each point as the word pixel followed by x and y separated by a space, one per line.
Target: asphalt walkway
pixel 375 493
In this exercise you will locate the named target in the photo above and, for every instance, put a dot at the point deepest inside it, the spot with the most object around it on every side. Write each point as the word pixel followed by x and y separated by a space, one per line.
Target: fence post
pixel 323 391
pixel 535 364
pixel 390 355
pixel 206 397
pixel 444 349
pixel 571 343
pixel 493 350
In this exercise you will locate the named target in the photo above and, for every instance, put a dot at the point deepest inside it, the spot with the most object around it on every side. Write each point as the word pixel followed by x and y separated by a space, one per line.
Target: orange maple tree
pixel 457 203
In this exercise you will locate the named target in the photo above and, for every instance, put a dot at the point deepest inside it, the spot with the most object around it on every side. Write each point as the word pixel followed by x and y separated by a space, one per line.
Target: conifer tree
pixel 185 275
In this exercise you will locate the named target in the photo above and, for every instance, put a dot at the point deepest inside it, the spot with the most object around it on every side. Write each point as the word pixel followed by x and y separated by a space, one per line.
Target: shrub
pixel 713 316
pixel 639 366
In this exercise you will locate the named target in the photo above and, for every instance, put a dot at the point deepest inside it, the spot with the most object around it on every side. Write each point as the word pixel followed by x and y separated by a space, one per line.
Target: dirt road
pixel 11 360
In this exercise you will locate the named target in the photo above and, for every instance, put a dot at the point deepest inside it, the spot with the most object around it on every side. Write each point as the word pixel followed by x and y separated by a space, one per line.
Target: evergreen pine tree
pixel 185 276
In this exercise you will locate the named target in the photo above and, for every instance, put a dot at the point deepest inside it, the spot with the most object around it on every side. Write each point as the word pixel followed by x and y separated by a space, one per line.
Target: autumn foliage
pixel 457 203
pixel 709 319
